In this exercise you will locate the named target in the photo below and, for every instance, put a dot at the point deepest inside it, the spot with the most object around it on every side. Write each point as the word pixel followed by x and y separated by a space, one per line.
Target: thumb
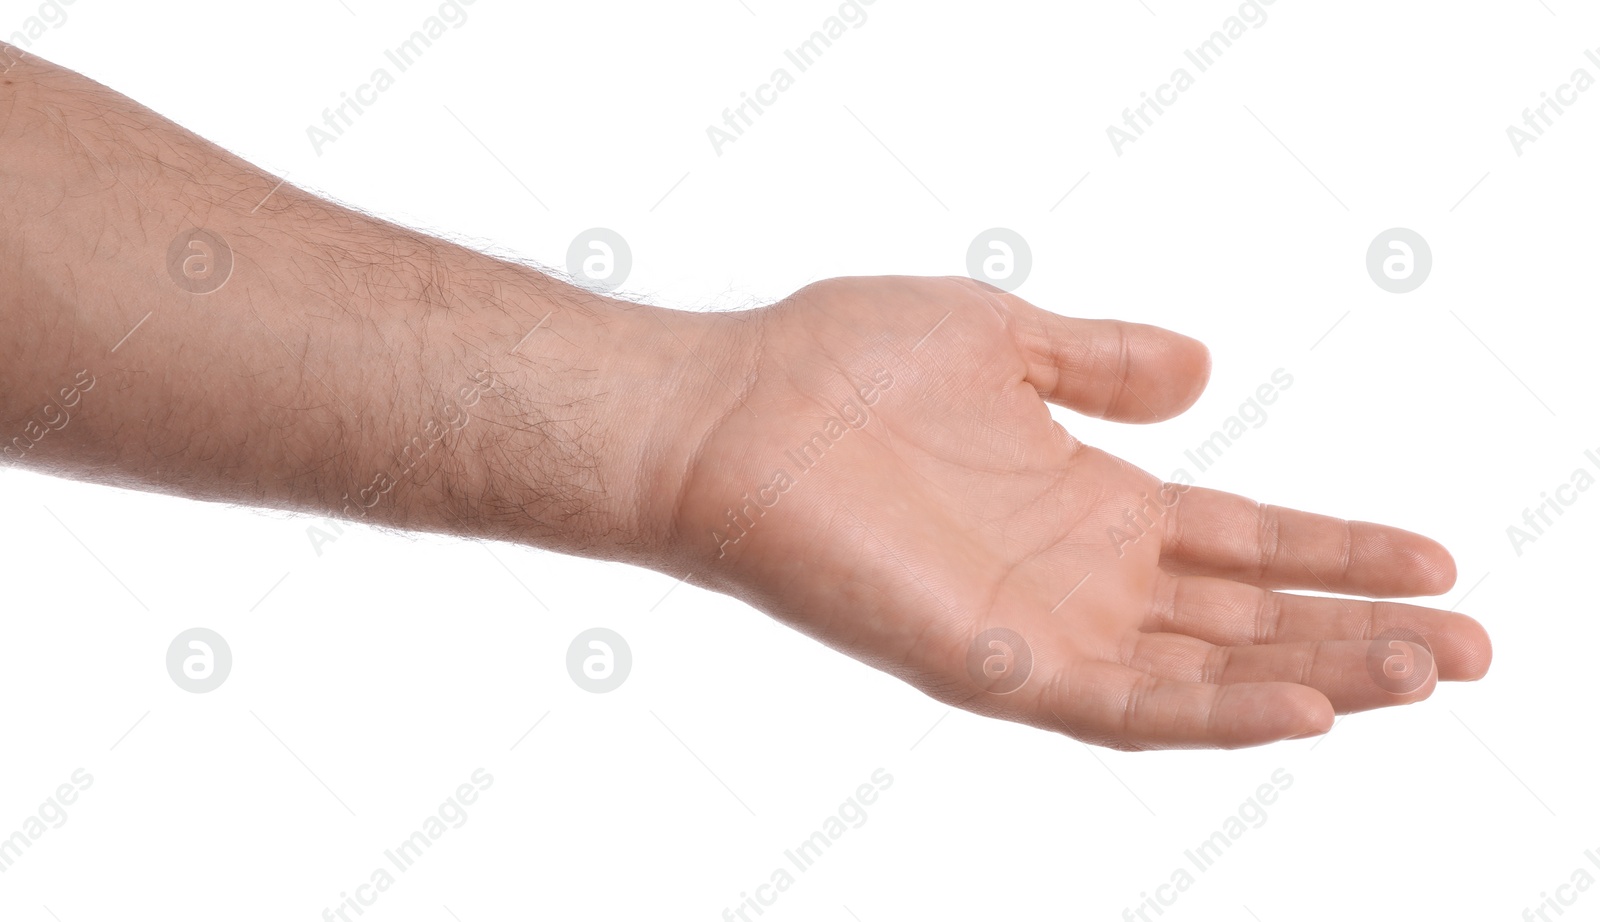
pixel 1127 372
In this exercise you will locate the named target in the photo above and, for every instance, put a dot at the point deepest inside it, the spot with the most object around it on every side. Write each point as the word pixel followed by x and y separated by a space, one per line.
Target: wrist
pixel 596 416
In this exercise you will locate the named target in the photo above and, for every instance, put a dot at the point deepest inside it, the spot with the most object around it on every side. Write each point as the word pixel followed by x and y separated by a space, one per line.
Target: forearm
pixel 343 365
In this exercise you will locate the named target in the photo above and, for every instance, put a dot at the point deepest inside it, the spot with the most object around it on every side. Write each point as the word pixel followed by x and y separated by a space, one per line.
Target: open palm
pixel 891 482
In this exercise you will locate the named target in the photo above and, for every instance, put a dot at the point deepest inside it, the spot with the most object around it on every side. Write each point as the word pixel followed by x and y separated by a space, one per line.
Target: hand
pixel 942 502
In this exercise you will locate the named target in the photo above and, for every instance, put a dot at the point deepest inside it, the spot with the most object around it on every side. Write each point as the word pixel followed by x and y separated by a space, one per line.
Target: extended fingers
pixel 1226 612
pixel 1219 534
pixel 1354 675
pixel 1126 708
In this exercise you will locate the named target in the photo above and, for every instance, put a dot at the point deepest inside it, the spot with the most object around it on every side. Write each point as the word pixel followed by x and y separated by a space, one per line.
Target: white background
pixel 372 679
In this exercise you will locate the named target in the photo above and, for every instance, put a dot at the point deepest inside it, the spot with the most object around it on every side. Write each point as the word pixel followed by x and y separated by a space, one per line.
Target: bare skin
pixel 351 367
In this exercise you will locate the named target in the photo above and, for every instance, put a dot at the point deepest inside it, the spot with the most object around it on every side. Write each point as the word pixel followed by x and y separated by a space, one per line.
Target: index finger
pixel 1211 533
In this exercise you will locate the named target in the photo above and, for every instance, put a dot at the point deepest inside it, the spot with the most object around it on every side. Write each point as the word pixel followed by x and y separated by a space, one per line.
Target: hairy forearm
pixel 340 364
